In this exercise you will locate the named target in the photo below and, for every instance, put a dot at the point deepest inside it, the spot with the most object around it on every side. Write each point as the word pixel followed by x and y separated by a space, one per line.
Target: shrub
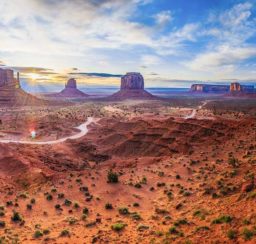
pixel 67 202
pixel 123 211
pixel 49 197
pixel 108 206
pixel 247 234
pixel 222 219
pixel 64 233
pixel 38 234
pixel 16 217
pixel 112 177
pixel 85 210
pixel 232 234
pixel 29 207
pixel 2 225
pixel 118 226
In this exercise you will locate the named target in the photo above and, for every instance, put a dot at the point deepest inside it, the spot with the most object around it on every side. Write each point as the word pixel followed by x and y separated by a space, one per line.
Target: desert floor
pixel 185 171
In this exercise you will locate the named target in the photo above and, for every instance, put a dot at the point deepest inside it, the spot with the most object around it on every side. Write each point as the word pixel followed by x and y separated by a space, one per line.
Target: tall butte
pixel 132 87
pixel 71 91
pixel 11 93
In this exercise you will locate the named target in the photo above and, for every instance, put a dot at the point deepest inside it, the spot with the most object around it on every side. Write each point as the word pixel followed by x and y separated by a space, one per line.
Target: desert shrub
pixel 233 162
pixel 247 234
pixel 38 234
pixel 61 195
pixel 112 177
pixel 76 205
pixel 123 211
pixel 49 197
pixel 108 206
pixel 85 210
pixel 204 228
pixel 16 217
pixel 29 207
pixel 136 216
pixel 180 222
pixel 71 220
pixel 33 201
pixel 173 230
pixel 222 219
pixel 67 202
pixel 64 233
pixel 178 177
pixel 46 232
pixel 232 234
pixel 137 185
pixel 2 225
pixel 118 226
pixel 136 204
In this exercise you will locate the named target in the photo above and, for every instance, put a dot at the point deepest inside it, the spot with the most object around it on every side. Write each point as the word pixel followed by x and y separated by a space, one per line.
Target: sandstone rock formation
pixel 11 93
pixel 71 90
pixel 132 87
pixel 132 81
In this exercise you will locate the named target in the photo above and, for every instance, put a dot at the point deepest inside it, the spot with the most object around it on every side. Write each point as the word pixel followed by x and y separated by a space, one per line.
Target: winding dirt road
pixel 194 111
pixel 83 131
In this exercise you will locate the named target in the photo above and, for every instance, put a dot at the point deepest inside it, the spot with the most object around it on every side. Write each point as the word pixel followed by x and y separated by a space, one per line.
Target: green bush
pixel 108 206
pixel 232 234
pixel 118 226
pixel 123 211
pixel 16 217
pixel 247 234
pixel 222 219
pixel 112 177
pixel 38 234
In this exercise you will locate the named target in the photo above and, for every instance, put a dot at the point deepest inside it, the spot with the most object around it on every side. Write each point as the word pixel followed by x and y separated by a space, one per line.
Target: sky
pixel 172 43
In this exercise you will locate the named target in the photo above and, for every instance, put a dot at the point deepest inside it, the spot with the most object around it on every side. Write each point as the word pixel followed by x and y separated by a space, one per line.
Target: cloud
pixel 162 18
pixel 37 70
pixel 222 57
pixel 105 75
pixel 228 48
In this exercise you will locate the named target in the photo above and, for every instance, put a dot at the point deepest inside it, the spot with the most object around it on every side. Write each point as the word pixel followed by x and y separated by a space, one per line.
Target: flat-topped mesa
pixel 132 80
pixel 237 87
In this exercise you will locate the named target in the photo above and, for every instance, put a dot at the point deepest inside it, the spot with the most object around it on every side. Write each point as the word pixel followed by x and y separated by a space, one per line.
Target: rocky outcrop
pixel 132 87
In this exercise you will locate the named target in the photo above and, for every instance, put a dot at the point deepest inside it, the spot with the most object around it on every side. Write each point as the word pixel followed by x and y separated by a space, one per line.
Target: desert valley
pixel 128 168
pixel 127 122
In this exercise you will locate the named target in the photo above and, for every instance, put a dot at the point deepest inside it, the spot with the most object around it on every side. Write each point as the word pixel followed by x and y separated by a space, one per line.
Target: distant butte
pixel 11 93
pixel 132 87
pixel 70 91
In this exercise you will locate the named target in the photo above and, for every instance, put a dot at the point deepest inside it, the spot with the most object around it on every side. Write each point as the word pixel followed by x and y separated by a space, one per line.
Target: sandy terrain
pixel 185 173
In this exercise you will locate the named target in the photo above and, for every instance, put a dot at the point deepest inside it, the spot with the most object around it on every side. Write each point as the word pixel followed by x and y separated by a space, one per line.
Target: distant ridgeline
pixel 232 88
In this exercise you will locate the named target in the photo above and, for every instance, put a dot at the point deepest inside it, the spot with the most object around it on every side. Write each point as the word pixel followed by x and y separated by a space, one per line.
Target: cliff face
pixel 132 81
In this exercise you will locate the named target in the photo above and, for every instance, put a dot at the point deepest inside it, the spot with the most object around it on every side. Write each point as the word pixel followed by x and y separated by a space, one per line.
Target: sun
pixel 33 76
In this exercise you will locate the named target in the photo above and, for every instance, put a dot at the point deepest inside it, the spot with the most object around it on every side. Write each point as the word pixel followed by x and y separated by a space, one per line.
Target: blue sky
pixel 169 42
